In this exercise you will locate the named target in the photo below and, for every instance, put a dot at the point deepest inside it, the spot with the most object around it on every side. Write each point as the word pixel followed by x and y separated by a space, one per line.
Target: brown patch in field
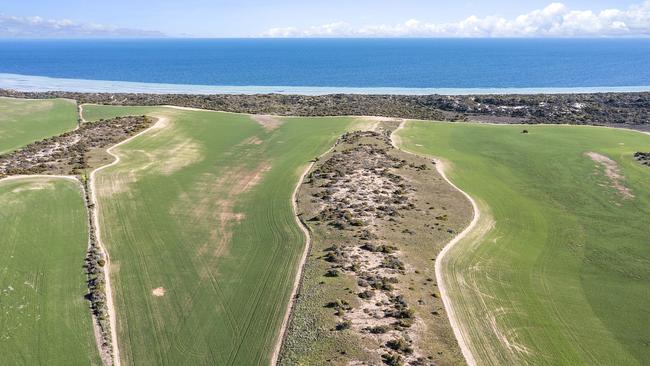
pixel 613 172
pixel 34 186
pixel 215 205
pixel 181 153
pixel 372 123
pixel 158 292
pixel 239 180
pixel 177 152
pixel 269 123
pixel 253 140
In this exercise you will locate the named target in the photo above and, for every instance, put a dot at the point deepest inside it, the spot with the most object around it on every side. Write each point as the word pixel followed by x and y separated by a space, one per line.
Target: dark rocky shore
pixel 631 110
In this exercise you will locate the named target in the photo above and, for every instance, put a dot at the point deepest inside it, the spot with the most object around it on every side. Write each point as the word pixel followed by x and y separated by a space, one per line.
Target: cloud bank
pixel 37 27
pixel 555 20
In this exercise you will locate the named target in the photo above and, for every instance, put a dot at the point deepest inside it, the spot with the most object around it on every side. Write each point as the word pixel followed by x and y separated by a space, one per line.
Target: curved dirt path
pixel 80 107
pixel 301 268
pixel 301 265
pixel 94 212
pixel 451 313
pixel 455 324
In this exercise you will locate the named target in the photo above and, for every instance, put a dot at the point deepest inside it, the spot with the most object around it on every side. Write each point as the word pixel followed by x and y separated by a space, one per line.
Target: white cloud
pixel 555 20
pixel 37 27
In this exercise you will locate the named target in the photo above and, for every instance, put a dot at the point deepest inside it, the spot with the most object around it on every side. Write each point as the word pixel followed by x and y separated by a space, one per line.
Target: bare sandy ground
pixel 613 172
pixel 80 109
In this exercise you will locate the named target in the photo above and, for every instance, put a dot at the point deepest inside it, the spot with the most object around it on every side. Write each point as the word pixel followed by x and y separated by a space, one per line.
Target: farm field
pixel 24 121
pixel 198 221
pixel 44 318
pixel 557 271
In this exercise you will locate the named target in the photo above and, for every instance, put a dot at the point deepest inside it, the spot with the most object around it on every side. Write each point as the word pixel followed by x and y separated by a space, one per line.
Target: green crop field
pixel 44 318
pixel 558 270
pixel 25 121
pixel 198 221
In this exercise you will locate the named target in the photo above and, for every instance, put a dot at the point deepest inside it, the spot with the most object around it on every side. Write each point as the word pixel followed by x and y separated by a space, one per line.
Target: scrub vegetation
pixel 378 218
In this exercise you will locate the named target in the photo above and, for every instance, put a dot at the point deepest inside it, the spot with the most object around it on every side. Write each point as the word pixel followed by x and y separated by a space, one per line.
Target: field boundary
pixel 282 334
pixel 471 122
pixel 95 219
pixel 451 314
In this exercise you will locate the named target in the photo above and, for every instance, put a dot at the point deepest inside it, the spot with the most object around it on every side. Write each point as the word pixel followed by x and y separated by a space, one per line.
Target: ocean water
pixel 329 65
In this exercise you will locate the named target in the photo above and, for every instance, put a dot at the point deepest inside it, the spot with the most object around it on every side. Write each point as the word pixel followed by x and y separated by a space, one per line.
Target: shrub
pixel 346 324
pixel 392 359
pixel 368 294
pixel 341 306
pixel 332 272
pixel 393 263
pixel 400 345
pixel 378 329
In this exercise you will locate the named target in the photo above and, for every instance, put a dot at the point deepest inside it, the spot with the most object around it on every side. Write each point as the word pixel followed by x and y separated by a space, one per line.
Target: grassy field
pixel 558 272
pixel 25 121
pixel 44 318
pixel 198 221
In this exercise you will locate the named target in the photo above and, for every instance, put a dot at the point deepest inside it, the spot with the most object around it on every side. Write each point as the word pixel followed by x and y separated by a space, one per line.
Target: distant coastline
pixel 28 83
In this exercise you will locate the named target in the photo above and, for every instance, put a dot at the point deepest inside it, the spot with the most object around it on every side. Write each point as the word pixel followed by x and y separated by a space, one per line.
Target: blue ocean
pixel 338 64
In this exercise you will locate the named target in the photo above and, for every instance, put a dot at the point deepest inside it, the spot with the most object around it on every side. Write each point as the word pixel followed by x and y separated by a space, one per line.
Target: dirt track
pixel 94 212
pixel 462 340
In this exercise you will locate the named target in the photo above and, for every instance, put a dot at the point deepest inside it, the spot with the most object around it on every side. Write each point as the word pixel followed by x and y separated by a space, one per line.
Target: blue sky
pixel 344 18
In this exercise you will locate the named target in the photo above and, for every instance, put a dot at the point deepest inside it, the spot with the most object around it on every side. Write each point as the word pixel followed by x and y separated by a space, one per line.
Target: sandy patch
pixel 371 123
pixel 253 140
pixel 158 292
pixel 35 186
pixel 269 123
pixel 181 153
pixel 613 172
pixel 240 181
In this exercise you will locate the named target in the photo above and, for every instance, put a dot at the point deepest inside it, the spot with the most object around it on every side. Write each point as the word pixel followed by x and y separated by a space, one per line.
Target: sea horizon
pixel 33 83
pixel 328 65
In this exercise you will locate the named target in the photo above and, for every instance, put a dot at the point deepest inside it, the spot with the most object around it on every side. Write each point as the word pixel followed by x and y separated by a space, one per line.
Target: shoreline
pixel 29 83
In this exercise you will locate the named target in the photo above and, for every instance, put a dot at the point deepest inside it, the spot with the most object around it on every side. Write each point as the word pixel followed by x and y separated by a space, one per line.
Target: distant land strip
pixel 630 110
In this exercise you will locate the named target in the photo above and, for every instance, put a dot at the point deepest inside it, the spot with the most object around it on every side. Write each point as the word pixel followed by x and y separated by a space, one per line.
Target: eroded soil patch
pixel 613 173
pixel 158 292
pixel 269 123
